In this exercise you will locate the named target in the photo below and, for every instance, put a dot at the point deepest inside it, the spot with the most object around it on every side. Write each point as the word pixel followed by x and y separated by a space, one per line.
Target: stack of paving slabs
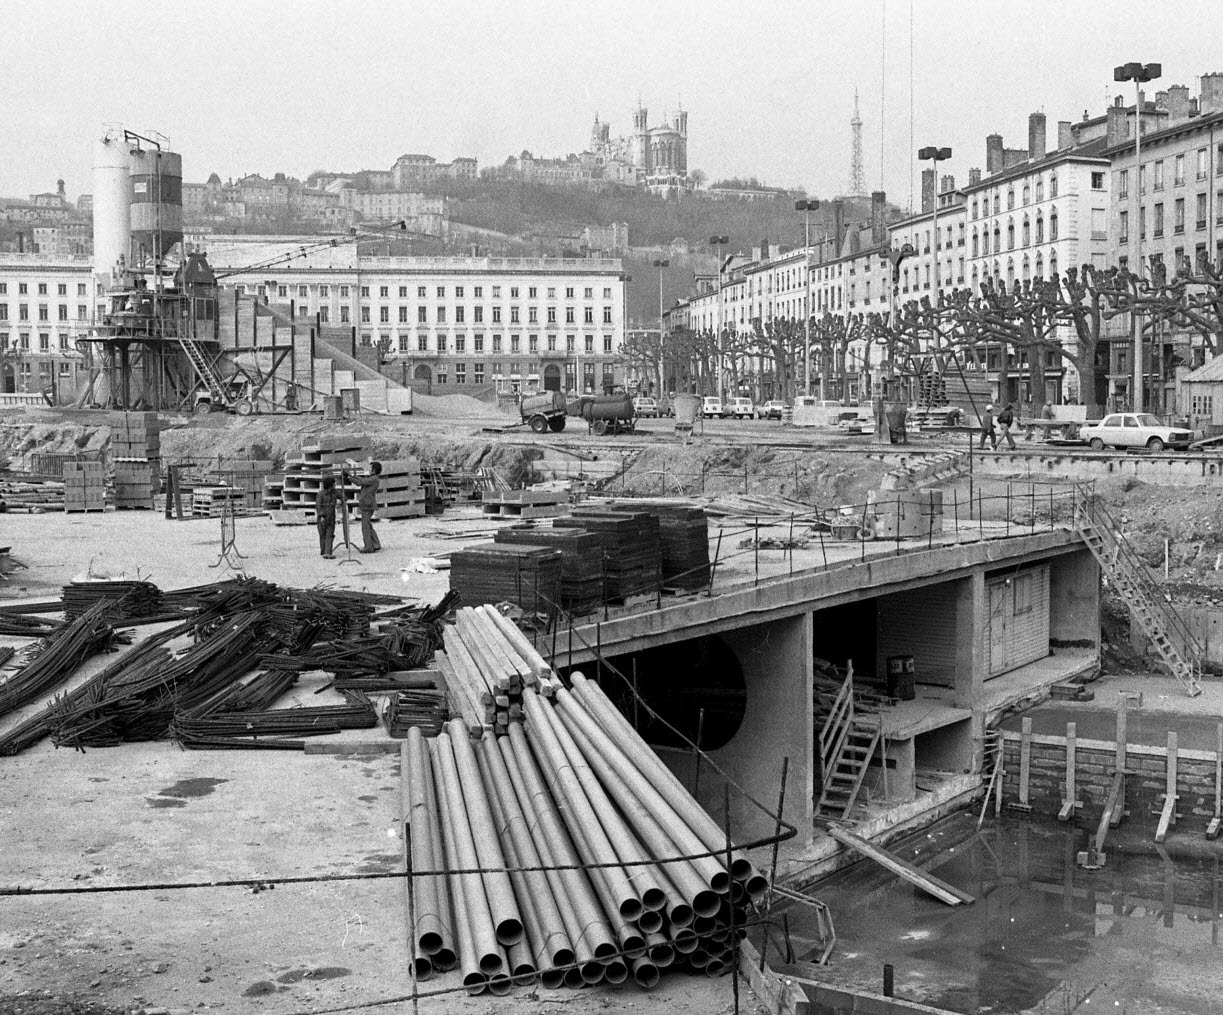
pixel 135 451
pixel 524 504
pixel 246 476
pixel 630 548
pixel 488 664
pixel 216 501
pixel 569 832
pixel 84 486
pixel 304 473
pixel 683 534
pixel 529 576
pixel 581 562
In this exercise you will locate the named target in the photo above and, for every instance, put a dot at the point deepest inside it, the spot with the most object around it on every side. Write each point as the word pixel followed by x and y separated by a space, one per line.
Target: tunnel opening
pixel 678 681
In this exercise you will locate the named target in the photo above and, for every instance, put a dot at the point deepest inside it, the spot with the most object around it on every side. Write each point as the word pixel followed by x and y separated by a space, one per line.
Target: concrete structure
pixel 987 623
pixel 466 324
pixel 43 298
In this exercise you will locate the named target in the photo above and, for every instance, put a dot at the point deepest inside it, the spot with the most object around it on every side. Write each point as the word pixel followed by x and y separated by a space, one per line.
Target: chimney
pixel 838 225
pixel 20 242
pixel 927 190
pixel 1036 136
pixel 1118 126
pixel 1176 101
pixel 946 184
pixel 1065 135
pixel 1211 100
pixel 878 206
pixel 755 254
pixel 974 177
pixel 994 160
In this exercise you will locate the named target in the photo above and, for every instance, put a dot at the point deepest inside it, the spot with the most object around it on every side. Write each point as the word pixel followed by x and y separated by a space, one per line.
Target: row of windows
pixel 981 208
pixel 460 315
pixel 61 289
pixel 983 248
pixel 44 341
pixel 1201 171
pixel 441 343
pixel 422 291
pixel 44 312
pixel 1158 219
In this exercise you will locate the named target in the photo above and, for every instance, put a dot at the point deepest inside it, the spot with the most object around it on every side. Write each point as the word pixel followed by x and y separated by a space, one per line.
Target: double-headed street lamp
pixel 1138 73
pixel 661 263
pixel 807 207
pixel 935 156
pixel 719 242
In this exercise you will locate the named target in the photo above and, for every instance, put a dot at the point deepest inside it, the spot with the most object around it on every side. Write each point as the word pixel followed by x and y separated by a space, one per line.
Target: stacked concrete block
pixel 135 450
pixel 84 487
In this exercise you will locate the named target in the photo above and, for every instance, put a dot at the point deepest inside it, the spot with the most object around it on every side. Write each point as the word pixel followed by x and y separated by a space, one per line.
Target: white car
pixel 711 405
pixel 1134 430
pixel 645 407
pixel 741 408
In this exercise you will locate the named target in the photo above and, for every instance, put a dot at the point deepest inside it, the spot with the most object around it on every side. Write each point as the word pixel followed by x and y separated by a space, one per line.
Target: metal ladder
pixel 200 363
pixel 1174 642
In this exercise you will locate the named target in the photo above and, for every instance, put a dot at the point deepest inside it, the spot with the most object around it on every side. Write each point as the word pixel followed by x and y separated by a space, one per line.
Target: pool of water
pixel 1142 935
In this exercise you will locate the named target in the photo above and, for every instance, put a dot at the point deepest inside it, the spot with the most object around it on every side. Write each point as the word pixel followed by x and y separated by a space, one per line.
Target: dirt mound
pixel 454 407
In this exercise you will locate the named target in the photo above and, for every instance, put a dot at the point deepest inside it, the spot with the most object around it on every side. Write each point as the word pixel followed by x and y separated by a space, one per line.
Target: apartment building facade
pixel 43 300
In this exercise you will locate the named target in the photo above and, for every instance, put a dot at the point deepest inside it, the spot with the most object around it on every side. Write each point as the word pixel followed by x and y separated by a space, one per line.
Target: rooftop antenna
pixel 883 82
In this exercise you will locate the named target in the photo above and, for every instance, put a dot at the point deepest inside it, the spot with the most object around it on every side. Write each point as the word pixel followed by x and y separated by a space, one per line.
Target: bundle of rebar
pixel 488 665
pixel 568 853
pixel 275 729
pixel 421 710
pixel 18 625
pixel 58 658
pixel 125 599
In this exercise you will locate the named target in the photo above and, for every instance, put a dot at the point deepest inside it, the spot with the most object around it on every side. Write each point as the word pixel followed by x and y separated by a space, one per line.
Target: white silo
pixel 112 197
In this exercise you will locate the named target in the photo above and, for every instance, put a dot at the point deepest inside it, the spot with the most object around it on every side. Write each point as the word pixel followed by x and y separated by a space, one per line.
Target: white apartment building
pixel 43 299
pixel 456 323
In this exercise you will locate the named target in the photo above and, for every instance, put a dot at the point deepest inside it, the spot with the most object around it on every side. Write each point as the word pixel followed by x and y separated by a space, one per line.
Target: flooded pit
pixel 1143 935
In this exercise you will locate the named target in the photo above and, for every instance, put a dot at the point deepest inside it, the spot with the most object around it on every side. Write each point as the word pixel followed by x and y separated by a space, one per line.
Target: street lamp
pixel 807 207
pixel 1138 73
pixel 719 242
pixel 661 263
pixel 935 156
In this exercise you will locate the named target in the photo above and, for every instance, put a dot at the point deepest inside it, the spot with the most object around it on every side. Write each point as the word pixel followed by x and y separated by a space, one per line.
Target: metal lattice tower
pixel 857 175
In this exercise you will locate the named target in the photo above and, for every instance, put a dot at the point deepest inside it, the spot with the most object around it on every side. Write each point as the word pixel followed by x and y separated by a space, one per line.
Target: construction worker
pixel 1046 413
pixel 367 501
pixel 1005 418
pixel 987 429
pixel 324 517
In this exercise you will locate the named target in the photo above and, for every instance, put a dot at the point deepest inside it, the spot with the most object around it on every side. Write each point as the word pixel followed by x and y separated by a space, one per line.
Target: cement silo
pixel 112 195
pixel 156 204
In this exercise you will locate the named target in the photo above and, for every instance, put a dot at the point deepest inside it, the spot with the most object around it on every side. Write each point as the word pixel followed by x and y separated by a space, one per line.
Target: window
pixel 552 315
pixel 590 343
pixel 458 343
pixel 1157 224
pixel 42 288
pixel 477 373
pixel 1123 221
pixel 1201 163
pixel 24 340
pixel 343 292
pixel 403 292
pixel 515 343
pixel 324 314
pixel 588 315
pixel 974 207
pixel 43 313
pixel 514 315
pixel 477 342
pixel 552 342
pixel 1123 184
pixel 324 292
pixel 61 289
pixel 1027 232
pixel 496 343
pixel 1027 193
pixel 1010 235
pixel 422 315
pixel 1201 211
pixel 532 315
pixel 22 289
pixel 588 293
pixel 1178 171
pixel 458 292
pixel 976 243
pixel 44 342
pixel 441 315
pixel 569 315
pixel 460 373
pixel 421 292
pixel 1203 405
pixel 1053 224
pixel 344 315
pixel 81 290
pixel 477 315
pixel 82 312
pixel 459 315
pixel 1053 184
pixel 607 293
pixel 571 343
pixel 384 315
pixel 513 292
pixel 1178 215
pixel 441 292
pixel 282 291
pixel 496 291
pixel 569 293
pixel 1158 174
pixel 607 315
pixel 532 343
pixel 1010 198
pixel 532 293
pixel 607 347
pixel 422 343
pixel 403 343
pixel 403 315
pixel 496 315
pixel 365 292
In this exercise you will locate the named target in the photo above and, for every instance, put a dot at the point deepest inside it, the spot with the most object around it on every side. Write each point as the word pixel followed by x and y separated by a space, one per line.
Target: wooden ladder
pixel 844 776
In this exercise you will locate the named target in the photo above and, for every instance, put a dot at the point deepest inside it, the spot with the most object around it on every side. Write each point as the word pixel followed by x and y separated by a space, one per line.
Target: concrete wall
pixel 1074 600
pixel 778 722
pixel 1164 470
pixel 1094 762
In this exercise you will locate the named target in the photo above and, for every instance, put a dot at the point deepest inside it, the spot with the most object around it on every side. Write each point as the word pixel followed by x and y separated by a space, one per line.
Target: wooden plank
pixel 928 883
pixel 1122 707
pixel 1025 762
pixel 1069 799
pixel 1115 803
pixel 1167 817
pixel 1212 829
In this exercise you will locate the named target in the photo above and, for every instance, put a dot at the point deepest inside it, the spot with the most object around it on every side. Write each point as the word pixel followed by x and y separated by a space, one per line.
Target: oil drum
pixel 901 673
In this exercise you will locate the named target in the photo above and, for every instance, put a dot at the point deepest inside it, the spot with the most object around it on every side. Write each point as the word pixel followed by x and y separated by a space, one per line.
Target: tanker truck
pixel 545 411
pixel 605 413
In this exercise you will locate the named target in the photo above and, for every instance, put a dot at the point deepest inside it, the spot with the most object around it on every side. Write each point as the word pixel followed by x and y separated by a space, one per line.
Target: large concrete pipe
pixel 685 839
pixel 428 930
pixel 479 916
pixel 713 835
pixel 689 884
pixel 501 902
pixel 555 948
pixel 619 895
pixel 475 980
pixel 594 934
pixel 444 959
pixel 644 878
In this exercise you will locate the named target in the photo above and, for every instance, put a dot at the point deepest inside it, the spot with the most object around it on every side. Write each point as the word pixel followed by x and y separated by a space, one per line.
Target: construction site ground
pixel 152 813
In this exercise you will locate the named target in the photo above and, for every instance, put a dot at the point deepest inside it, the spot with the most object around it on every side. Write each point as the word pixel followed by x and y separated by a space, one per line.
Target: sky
pixel 255 86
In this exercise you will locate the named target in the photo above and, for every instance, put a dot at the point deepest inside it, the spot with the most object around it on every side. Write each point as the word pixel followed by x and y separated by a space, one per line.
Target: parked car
pixel 711 405
pixel 741 408
pixel 773 409
pixel 1134 430
pixel 645 406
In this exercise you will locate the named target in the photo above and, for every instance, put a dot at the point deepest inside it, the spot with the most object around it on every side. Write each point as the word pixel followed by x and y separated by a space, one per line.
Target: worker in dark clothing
pixel 1005 418
pixel 987 429
pixel 367 501
pixel 1046 413
pixel 324 517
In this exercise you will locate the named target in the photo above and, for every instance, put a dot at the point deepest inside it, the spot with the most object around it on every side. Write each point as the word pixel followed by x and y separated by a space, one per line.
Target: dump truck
pixel 545 411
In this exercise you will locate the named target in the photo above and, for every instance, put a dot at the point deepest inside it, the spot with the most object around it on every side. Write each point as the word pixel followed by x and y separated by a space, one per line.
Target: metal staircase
pixel 847 743
pixel 1174 642
pixel 203 367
